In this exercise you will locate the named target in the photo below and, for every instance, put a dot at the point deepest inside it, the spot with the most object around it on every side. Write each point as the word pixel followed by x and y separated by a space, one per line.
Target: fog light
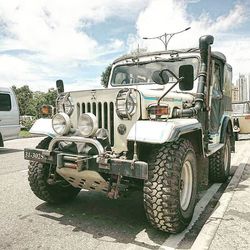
pixel 87 124
pixel 61 123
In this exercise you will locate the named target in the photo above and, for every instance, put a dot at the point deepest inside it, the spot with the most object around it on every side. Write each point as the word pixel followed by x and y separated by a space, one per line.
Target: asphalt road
pixel 92 221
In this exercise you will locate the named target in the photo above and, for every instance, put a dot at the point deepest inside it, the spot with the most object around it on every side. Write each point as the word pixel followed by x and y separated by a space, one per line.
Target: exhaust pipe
pixel 204 46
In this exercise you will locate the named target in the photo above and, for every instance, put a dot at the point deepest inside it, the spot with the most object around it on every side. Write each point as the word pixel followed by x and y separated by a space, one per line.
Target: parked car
pixel 241 118
pixel 9 115
pixel 162 125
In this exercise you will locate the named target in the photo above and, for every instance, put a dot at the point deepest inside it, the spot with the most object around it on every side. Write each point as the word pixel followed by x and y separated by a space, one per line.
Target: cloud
pixel 55 33
pixel 57 28
pixel 169 16
pixel 43 40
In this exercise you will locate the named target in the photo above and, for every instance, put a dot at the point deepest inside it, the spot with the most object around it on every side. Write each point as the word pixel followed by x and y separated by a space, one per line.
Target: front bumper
pixel 102 163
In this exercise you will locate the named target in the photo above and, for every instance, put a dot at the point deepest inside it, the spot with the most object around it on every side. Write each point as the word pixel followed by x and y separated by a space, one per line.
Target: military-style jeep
pixel 163 125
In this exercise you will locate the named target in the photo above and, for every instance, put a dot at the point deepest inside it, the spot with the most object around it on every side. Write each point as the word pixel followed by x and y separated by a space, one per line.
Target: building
pixel 243 84
pixel 235 94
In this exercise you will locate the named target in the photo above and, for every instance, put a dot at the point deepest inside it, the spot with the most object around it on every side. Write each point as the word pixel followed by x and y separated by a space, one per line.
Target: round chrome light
pixel 126 103
pixel 61 123
pixel 65 104
pixel 87 124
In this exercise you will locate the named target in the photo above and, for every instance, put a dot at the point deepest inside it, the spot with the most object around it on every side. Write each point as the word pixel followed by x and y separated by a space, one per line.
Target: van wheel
pixel 170 191
pixel 219 163
pixel 39 174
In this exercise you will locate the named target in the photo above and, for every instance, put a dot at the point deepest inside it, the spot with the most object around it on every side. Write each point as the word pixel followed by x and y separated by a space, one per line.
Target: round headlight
pixel 87 124
pixel 61 123
pixel 126 103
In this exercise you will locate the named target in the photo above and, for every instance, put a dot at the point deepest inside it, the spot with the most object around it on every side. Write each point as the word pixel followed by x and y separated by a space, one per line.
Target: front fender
pixel 43 126
pixel 158 132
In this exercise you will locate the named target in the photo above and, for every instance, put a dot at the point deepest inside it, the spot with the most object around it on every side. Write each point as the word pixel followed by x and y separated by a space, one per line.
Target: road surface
pixel 92 221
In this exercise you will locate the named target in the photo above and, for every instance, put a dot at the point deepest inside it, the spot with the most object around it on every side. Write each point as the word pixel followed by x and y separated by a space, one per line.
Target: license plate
pixel 35 155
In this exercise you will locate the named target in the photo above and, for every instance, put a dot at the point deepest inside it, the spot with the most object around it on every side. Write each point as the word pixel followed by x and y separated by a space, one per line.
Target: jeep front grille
pixel 104 111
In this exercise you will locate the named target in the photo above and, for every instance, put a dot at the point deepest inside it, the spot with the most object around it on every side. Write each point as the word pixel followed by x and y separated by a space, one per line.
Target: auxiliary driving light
pixel 61 123
pixel 87 124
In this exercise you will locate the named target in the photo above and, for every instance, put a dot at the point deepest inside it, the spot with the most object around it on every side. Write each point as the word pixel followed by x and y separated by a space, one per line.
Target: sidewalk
pixel 234 229
pixel 229 225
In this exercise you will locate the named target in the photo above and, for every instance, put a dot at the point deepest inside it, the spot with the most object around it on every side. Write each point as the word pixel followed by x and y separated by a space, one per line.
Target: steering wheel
pixel 124 81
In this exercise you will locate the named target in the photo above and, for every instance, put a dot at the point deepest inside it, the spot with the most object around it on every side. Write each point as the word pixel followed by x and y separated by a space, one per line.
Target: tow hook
pixel 114 190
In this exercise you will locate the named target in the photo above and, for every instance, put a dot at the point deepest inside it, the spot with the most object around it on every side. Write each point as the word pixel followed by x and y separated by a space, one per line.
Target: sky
pixel 45 40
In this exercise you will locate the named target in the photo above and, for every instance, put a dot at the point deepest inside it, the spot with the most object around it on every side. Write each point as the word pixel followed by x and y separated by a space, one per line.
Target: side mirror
pixel 60 86
pixel 187 72
pixel 160 77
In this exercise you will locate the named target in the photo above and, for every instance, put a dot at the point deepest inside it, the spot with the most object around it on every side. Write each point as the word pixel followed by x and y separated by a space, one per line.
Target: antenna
pixel 135 156
pixel 165 38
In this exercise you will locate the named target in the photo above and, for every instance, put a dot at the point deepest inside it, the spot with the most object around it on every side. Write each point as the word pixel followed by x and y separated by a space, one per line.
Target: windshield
pixel 241 108
pixel 141 73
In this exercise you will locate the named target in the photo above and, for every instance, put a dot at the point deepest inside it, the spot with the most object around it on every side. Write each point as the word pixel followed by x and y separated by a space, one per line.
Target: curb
pixel 208 231
pixel 174 240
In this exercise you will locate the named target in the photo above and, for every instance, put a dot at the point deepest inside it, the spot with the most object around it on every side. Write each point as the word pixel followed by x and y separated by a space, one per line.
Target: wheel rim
pixel 226 153
pixel 186 185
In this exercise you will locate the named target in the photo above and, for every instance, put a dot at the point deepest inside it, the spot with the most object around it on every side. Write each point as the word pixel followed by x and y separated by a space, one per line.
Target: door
pixel 9 115
pixel 216 96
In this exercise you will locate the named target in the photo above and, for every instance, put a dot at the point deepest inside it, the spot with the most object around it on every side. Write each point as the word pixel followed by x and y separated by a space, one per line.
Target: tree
pixel 24 97
pixel 105 76
pixel 30 102
pixel 41 98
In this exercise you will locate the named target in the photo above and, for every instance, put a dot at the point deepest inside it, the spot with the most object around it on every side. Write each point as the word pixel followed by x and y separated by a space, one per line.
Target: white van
pixel 9 115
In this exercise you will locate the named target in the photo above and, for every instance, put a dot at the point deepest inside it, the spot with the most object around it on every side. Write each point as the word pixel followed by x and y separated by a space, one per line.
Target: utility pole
pixel 165 38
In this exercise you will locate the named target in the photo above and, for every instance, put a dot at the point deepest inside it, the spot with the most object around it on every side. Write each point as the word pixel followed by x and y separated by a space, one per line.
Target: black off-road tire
pixel 236 136
pixel 219 163
pixel 38 175
pixel 162 189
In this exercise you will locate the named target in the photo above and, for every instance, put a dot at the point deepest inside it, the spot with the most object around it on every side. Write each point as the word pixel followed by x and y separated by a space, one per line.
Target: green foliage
pixel 24 96
pixel 27 123
pixel 24 133
pixel 105 76
pixel 30 102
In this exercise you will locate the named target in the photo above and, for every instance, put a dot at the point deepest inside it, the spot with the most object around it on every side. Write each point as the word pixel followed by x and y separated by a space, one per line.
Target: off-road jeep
pixel 162 125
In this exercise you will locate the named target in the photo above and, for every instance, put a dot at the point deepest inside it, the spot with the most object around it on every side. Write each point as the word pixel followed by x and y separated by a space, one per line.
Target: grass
pixel 24 133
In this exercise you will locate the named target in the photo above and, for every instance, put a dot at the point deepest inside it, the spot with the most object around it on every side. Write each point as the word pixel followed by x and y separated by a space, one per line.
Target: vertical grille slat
pixel 88 107
pixel 83 108
pixel 104 113
pixel 78 111
pixel 94 108
pixel 99 115
pixel 111 110
pixel 108 119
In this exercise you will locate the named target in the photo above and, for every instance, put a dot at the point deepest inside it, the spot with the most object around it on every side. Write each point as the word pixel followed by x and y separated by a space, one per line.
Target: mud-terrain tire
pixel 38 175
pixel 236 136
pixel 169 200
pixel 219 163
